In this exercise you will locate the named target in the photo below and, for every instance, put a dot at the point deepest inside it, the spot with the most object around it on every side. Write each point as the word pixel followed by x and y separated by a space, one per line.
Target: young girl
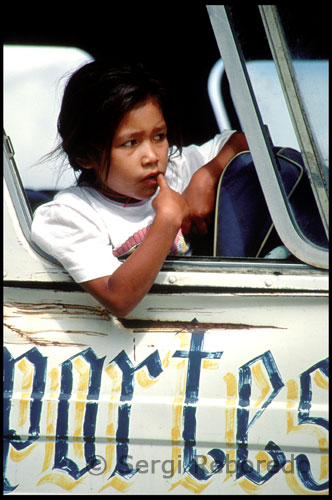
pixel 138 191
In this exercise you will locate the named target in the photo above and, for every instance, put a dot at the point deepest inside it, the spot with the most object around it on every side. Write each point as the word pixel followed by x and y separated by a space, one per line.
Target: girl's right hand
pixel 169 204
pixel 125 288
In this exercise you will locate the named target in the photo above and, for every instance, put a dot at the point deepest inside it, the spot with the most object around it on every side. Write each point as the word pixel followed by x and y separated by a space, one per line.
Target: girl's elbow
pixel 113 298
pixel 119 308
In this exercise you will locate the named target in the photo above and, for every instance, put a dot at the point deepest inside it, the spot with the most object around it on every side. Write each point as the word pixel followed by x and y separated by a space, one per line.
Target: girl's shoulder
pixel 73 194
pixel 75 199
pixel 78 197
pixel 71 208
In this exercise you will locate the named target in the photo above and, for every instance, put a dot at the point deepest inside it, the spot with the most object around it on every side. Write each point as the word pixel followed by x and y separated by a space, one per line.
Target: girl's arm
pixel 126 287
pixel 201 191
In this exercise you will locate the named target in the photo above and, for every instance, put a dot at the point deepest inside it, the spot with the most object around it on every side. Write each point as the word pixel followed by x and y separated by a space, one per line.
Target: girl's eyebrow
pixel 159 130
pixel 134 133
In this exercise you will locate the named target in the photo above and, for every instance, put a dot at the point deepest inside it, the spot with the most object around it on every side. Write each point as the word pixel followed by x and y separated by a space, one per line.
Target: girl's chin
pixel 148 191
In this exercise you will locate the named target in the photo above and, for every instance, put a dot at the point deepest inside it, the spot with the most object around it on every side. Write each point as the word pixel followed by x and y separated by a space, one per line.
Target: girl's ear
pixel 84 163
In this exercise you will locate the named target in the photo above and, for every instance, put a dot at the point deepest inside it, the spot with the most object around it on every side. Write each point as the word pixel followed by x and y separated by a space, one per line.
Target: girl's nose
pixel 149 154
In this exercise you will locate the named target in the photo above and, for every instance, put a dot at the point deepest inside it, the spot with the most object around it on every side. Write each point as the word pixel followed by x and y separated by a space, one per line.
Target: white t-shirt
pixel 87 232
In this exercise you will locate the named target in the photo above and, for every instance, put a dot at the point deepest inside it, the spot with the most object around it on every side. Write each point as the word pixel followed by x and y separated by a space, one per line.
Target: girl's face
pixel 139 152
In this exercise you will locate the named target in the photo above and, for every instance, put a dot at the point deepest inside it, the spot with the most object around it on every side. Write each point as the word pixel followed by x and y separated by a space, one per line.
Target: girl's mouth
pixel 151 178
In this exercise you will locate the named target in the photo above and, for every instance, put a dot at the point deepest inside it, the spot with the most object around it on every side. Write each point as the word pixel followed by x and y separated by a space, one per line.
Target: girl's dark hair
pixel 96 98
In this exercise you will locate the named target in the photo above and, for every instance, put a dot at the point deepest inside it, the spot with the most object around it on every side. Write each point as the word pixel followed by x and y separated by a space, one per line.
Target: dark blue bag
pixel 243 225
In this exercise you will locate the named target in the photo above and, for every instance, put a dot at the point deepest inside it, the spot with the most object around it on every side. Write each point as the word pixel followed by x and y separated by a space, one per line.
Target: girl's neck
pixel 114 196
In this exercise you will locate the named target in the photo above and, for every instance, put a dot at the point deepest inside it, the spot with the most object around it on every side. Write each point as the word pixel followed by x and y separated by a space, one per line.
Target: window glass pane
pixel 307 42
pixel 305 32
pixel 299 222
pixel 263 75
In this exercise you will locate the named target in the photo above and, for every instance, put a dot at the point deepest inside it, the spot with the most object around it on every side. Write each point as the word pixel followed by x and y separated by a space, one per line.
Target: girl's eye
pixel 130 143
pixel 160 137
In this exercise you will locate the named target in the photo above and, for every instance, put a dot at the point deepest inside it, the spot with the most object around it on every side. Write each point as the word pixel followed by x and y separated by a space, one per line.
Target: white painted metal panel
pixel 239 390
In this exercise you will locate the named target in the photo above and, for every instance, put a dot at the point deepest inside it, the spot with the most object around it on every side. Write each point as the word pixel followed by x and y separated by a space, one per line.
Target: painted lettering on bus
pixel 90 372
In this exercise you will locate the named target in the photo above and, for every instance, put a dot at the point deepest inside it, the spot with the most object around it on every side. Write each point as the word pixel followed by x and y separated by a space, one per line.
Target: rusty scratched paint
pixel 153 325
pixel 79 311
pixel 74 310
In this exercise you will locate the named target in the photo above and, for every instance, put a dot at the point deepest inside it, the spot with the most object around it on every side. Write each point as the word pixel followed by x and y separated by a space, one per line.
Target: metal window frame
pixel 17 193
pixel 260 143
